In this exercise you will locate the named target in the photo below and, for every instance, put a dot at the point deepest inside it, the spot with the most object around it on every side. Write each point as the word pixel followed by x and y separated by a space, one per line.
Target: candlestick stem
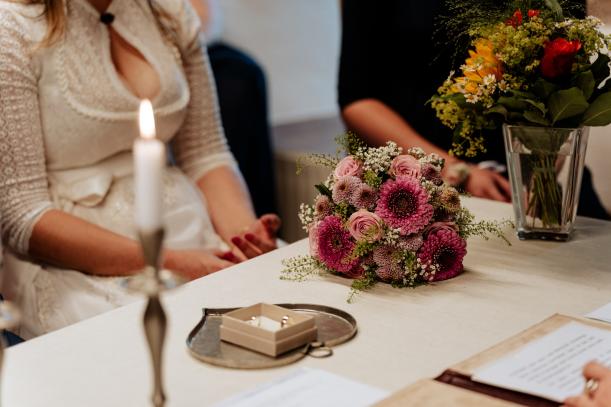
pixel 155 329
pixel 154 316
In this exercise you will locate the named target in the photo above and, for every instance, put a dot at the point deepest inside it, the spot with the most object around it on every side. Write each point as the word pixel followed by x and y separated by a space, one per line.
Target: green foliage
pixel 484 229
pixel 367 282
pixel 372 179
pixel 343 210
pixel 350 143
pixel 586 82
pixel 324 190
pixel 317 160
pixel 599 112
pixel 567 103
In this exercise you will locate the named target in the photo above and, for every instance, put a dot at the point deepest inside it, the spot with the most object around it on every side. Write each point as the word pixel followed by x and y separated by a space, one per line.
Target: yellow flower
pixel 482 63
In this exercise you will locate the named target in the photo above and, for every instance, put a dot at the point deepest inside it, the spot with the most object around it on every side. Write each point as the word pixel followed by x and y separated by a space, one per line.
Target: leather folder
pixel 454 387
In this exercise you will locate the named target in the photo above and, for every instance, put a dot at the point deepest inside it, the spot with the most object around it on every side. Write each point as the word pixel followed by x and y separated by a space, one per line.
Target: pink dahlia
pixel 411 243
pixel 432 173
pixel 322 206
pixel 446 250
pixel 385 256
pixel 390 274
pixel 364 197
pixel 404 205
pixel 335 245
pixel 344 187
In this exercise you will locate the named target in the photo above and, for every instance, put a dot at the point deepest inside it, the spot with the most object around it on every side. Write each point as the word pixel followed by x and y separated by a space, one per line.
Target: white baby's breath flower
pixel 306 216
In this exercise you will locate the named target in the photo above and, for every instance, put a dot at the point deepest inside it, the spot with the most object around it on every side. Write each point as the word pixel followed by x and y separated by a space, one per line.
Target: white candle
pixel 149 163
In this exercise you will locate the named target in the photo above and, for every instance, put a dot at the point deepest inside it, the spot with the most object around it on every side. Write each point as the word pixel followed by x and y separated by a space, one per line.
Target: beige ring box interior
pixel 238 329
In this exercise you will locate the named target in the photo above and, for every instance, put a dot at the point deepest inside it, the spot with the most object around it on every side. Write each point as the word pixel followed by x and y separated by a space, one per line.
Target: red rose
pixel 558 58
pixel 533 13
pixel 515 20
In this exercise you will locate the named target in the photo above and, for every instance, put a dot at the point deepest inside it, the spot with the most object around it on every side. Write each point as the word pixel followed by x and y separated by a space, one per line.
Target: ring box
pixel 270 338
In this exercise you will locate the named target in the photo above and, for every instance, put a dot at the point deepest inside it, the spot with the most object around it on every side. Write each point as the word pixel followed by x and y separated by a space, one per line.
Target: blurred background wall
pixel 297 42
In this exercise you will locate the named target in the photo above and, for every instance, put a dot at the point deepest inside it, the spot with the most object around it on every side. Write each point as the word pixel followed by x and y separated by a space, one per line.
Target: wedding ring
pixel 591 387
pixel 255 321
pixel 285 321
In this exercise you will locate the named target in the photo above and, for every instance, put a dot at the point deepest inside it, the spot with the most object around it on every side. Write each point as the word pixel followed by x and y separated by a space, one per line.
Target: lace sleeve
pixel 200 144
pixel 24 192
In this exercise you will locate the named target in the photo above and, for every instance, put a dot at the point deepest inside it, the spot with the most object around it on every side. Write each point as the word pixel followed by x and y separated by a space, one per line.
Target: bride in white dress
pixel 70 87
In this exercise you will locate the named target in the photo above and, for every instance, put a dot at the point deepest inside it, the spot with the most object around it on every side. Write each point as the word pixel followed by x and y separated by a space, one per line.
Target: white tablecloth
pixel 403 335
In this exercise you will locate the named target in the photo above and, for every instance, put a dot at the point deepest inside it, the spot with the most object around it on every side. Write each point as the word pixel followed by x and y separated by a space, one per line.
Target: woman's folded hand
pixel 193 264
pixel 258 238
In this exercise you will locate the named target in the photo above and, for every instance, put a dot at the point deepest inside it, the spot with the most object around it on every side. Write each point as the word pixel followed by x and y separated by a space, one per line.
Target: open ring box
pixel 261 328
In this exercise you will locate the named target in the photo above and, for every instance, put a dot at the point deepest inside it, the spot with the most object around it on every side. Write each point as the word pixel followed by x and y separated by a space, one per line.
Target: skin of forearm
pixel 377 123
pixel 228 201
pixel 67 241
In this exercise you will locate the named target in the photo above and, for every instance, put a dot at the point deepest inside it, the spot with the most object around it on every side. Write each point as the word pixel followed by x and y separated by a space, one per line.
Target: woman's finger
pixel 249 250
pixel 493 192
pixel 579 401
pixel 594 370
pixel 228 256
pixel 259 243
pixel 271 223
pixel 503 184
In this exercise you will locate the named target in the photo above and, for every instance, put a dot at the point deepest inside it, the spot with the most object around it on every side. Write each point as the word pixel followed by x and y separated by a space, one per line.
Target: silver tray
pixel 334 327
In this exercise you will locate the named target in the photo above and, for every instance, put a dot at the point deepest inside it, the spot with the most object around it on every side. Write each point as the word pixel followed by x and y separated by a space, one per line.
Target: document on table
pixel 550 366
pixel 308 387
pixel 602 314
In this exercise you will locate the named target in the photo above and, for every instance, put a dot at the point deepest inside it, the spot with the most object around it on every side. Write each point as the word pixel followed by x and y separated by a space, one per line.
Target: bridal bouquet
pixel 530 64
pixel 385 216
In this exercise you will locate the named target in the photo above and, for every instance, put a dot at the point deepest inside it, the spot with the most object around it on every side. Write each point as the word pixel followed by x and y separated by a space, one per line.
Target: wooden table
pixel 404 335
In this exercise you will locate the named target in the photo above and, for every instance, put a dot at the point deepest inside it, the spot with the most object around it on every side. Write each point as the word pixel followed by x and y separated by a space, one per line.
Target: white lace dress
pixel 67 126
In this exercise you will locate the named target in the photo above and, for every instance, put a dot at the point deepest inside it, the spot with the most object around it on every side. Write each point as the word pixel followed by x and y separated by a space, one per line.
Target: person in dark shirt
pixel 393 59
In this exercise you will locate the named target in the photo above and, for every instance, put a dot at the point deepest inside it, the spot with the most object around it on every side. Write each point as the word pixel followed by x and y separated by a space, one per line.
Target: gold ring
pixel 591 387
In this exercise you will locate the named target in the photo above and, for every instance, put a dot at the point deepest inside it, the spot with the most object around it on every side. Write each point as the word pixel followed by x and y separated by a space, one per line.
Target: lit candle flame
pixel 147 120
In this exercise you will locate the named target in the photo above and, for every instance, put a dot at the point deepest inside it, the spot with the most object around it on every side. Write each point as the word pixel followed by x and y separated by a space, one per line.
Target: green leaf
pixel 513 103
pixel 536 117
pixel 324 190
pixel 498 109
pixel 515 117
pixel 540 106
pixel 567 103
pixel 555 7
pixel 543 89
pixel 599 112
pixel 600 68
pixel 523 95
pixel 586 82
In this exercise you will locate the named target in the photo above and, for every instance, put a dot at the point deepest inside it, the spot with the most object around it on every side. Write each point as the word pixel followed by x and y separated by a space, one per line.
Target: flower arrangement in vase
pixel 386 216
pixel 541 75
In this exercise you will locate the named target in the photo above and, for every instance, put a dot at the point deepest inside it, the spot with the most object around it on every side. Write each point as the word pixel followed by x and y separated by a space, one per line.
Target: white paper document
pixel 602 314
pixel 551 366
pixel 308 387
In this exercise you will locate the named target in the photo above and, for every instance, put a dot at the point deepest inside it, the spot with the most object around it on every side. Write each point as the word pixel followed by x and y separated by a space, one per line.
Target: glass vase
pixel 545 169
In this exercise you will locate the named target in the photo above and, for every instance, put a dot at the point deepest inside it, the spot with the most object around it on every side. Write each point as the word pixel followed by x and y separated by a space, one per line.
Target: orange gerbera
pixel 481 64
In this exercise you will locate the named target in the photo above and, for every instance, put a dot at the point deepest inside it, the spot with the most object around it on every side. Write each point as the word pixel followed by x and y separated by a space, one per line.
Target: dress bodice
pixel 64 108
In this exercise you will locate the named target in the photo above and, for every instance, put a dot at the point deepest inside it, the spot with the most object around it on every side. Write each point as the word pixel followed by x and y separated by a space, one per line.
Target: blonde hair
pixel 55 16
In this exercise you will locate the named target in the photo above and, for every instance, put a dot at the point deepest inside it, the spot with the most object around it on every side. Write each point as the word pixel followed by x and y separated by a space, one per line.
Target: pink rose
pixel 348 166
pixel 405 166
pixel 365 226
pixel 434 227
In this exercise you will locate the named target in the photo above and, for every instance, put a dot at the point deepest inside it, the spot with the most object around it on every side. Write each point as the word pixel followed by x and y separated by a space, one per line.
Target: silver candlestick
pixel 154 316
